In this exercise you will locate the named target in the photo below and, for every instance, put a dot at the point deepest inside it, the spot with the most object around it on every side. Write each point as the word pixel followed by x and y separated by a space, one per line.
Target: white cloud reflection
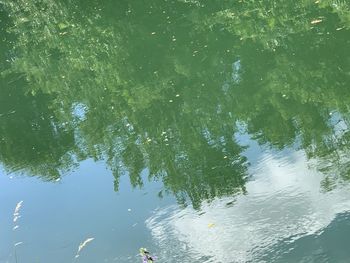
pixel 284 201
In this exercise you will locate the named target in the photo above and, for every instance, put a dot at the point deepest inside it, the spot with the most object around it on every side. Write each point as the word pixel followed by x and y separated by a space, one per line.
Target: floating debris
pixel 153 33
pixel 230 203
pixel 129 209
pixel 82 245
pixel 146 257
pixel 15 227
pixel 18 243
pixel 62 26
pixel 211 225
pixel 16 215
pixel 18 207
pixel 316 21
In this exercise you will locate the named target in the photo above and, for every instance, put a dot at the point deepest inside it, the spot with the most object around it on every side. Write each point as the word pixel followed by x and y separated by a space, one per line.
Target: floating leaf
pixel 62 26
pixel 316 21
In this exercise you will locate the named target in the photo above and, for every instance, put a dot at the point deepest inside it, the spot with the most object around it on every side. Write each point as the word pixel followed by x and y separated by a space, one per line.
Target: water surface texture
pixel 206 131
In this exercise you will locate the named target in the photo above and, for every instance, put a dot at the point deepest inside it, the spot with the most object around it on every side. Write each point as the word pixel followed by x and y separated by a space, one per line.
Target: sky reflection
pixel 284 202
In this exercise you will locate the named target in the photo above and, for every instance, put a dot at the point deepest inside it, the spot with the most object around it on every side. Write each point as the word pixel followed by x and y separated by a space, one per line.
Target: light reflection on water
pixel 283 204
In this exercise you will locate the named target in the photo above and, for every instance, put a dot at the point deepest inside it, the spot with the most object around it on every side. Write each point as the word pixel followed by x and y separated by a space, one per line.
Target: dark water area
pixel 205 131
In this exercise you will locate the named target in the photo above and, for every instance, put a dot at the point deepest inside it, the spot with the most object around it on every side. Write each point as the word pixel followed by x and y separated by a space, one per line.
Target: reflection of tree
pixel 31 137
pixel 296 94
pixel 160 96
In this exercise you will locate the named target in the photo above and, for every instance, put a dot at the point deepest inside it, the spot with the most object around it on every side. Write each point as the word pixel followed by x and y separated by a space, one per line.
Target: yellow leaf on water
pixel 211 225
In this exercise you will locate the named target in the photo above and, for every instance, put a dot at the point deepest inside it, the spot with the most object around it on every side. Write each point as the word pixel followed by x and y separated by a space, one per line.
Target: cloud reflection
pixel 284 201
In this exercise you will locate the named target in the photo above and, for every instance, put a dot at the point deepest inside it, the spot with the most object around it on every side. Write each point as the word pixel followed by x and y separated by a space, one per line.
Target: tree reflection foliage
pixel 165 86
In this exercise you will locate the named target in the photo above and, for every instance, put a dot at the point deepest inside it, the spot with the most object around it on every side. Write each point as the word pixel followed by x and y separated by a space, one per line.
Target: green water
pixel 206 131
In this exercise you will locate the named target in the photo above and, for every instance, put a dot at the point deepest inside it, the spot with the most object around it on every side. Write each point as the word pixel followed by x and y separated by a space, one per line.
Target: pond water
pixel 205 131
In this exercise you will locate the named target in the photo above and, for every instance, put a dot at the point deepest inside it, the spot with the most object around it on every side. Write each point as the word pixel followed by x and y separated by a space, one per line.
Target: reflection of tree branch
pixel 170 115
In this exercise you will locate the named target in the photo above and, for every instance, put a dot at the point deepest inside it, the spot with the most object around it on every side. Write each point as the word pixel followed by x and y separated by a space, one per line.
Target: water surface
pixel 206 131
